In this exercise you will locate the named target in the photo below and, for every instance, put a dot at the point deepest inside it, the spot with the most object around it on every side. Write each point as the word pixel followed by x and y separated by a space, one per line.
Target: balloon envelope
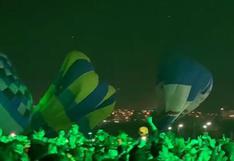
pixel 15 99
pixel 184 84
pixel 76 96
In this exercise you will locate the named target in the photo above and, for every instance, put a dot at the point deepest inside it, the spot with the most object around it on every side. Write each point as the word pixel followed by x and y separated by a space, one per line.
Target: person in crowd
pixel 150 145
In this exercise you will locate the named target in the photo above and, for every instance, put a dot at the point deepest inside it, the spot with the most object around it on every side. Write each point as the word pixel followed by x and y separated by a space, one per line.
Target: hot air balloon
pixel 77 96
pixel 183 85
pixel 15 99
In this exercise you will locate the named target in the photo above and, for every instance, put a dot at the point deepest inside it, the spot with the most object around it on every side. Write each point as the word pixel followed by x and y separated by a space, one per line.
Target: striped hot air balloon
pixel 76 96
pixel 15 99
pixel 184 84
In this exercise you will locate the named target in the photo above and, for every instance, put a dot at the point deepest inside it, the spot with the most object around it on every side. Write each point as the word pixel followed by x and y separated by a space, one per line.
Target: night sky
pixel 125 40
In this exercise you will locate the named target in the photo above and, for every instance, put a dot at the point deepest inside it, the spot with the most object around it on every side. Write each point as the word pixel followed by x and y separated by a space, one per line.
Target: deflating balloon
pixel 15 99
pixel 184 84
pixel 76 96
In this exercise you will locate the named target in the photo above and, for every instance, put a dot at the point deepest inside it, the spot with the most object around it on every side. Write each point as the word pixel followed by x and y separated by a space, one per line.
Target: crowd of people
pixel 151 145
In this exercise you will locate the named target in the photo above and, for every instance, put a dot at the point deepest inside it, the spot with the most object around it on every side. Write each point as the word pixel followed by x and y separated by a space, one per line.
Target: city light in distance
pixel 116 121
pixel 169 128
pixel 208 123
pixel 181 125
pixel 205 126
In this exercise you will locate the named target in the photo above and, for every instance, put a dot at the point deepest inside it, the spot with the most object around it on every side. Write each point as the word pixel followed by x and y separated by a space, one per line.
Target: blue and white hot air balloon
pixel 184 84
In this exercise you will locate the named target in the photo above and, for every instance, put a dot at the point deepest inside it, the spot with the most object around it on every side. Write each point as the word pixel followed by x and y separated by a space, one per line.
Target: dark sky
pixel 125 39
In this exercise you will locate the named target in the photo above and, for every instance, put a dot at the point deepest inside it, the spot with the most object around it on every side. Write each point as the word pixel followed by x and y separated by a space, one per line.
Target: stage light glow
pixel 12 134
